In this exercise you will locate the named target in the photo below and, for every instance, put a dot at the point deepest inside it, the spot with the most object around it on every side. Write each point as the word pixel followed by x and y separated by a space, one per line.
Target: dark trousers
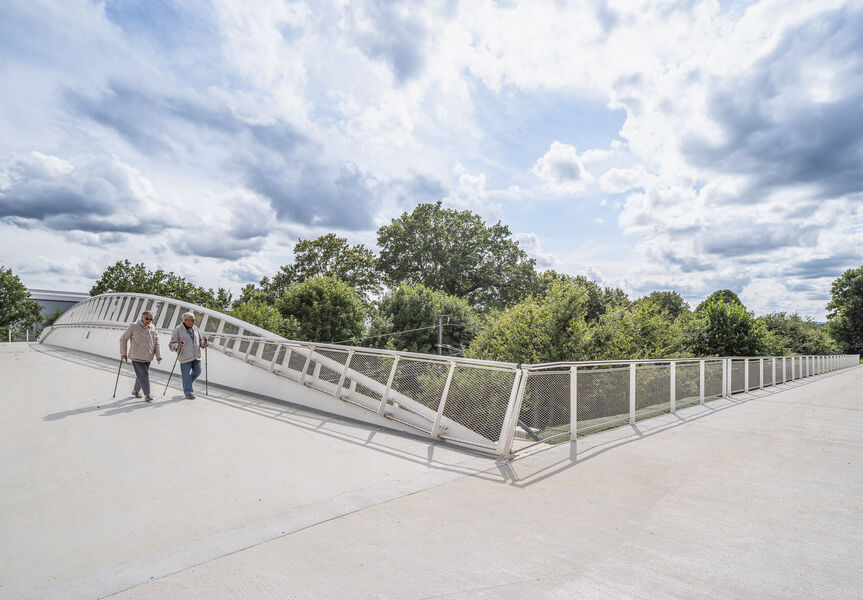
pixel 142 377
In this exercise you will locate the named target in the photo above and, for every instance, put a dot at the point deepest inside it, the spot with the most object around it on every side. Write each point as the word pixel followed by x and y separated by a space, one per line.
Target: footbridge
pixel 314 472
pixel 497 408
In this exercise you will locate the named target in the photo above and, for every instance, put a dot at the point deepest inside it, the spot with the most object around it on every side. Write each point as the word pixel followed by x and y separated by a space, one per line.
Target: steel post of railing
pixel 344 374
pixel 773 367
pixel 302 380
pixel 746 375
pixel 573 403
pixel 382 409
pixel 725 371
pixel 436 426
pixel 760 373
pixel 672 401
pixel 632 394
pixel 510 418
pixel 701 382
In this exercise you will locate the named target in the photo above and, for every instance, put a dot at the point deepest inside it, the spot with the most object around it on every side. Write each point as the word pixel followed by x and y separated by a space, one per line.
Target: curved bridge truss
pixel 497 408
pixel 462 401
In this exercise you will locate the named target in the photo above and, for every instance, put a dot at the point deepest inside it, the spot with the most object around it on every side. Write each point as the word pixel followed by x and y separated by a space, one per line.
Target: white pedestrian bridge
pixel 493 407
pixel 319 471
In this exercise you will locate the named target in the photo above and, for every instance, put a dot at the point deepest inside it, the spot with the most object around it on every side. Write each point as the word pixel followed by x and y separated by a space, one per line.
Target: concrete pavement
pixel 234 497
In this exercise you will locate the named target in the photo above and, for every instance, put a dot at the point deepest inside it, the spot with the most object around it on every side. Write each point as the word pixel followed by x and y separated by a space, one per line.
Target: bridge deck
pixel 236 497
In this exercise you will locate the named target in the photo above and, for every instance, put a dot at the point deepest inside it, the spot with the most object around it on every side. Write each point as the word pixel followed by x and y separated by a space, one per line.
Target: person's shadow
pixel 115 407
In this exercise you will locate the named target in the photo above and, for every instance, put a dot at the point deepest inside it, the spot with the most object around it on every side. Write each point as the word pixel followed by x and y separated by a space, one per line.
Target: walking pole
pixel 118 378
pixel 206 370
pixel 172 373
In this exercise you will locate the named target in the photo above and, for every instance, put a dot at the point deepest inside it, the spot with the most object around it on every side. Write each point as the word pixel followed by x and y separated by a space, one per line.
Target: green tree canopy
pixel 456 253
pixel 331 256
pixel 599 299
pixel 267 317
pixel 793 334
pixel 126 277
pixel 726 296
pixel 670 303
pixel 549 328
pixel 845 319
pixel 641 330
pixel 416 307
pixel 726 329
pixel 326 308
pixel 17 310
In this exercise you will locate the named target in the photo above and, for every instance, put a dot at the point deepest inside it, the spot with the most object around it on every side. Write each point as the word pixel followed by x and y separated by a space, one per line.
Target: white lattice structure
pixel 498 408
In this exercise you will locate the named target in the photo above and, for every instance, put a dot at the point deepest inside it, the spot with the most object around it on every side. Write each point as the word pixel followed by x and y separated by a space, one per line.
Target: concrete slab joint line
pixel 295 503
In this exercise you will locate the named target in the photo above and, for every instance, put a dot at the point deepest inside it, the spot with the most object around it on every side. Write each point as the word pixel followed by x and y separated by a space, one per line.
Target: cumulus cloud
pixel 92 194
pixel 529 242
pixel 562 169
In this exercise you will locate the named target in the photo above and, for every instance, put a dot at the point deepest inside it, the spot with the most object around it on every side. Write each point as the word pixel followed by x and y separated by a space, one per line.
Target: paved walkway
pixel 235 497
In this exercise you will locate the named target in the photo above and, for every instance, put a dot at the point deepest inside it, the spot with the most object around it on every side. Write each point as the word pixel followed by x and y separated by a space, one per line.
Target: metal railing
pixel 497 407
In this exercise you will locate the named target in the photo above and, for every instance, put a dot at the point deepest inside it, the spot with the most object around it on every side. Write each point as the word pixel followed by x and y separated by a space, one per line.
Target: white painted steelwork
pixel 495 407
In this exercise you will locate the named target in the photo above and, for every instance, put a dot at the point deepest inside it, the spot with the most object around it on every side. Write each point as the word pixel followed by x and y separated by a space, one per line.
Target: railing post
pixel 435 432
pixel 513 409
pixel 760 373
pixel 701 382
pixel 632 393
pixel 773 366
pixel 725 371
pixel 746 375
pixel 672 400
pixel 792 367
pixel 275 356
pixel 573 403
pixel 386 395
pixel 302 380
pixel 344 375
pixel 784 370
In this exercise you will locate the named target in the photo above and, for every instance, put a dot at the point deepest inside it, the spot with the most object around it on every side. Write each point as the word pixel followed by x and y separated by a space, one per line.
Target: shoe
pixel 136 394
pixel 190 396
pixel 148 398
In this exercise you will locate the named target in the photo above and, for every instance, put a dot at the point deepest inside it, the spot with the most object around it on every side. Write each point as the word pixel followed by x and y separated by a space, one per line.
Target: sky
pixel 647 144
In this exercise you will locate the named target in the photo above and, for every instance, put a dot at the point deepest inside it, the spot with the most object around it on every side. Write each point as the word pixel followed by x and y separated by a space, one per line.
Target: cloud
pixel 617 180
pixel 92 194
pixel 562 169
pixel 529 242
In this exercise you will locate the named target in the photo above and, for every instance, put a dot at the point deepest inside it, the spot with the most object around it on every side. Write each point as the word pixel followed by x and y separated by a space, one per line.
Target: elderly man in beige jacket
pixel 143 343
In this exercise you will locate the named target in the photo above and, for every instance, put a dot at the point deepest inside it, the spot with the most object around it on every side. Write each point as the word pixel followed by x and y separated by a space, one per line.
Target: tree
pixel 267 317
pixel 331 256
pixel 726 296
pixel 17 311
pixel 126 277
pixel 456 253
pixel 599 300
pixel 642 330
pixel 327 309
pixel 670 303
pixel 413 310
pixel 721 328
pixel 550 328
pixel 845 319
pixel 793 334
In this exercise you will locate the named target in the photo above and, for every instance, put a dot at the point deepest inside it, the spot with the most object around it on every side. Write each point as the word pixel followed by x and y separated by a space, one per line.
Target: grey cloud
pixel 397 38
pixel 94 196
pixel 817 268
pixel 778 135
pixel 216 246
pixel 744 241
pixel 148 119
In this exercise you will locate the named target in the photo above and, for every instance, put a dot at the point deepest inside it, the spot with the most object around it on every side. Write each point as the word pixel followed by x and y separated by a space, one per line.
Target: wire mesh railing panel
pixel 687 384
pixel 332 364
pixel 713 379
pixel 422 381
pixel 603 398
pixel 545 408
pixel 652 390
pixel 787 369
pixel 478 399
pixel 371 372
pixel 754 372
pixel 767 372
pixel 738 376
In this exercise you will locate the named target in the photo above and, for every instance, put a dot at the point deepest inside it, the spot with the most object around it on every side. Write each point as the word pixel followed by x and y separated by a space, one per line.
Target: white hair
pixel 186 315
